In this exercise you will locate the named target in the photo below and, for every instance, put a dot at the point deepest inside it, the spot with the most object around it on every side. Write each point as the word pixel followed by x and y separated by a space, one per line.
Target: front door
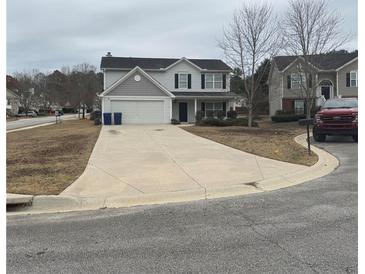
pixel 183 112
pixel 326 91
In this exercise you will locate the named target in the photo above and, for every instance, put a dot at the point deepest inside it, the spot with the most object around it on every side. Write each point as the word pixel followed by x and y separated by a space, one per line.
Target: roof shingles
pixel 331 61
pixel 158 63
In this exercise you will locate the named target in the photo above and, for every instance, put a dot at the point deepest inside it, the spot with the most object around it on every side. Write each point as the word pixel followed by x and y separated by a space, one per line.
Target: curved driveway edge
pixel 100 184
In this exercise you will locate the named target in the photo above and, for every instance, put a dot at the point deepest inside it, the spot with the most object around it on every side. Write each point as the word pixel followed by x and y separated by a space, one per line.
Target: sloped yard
pixel 46 160
pixel 270 140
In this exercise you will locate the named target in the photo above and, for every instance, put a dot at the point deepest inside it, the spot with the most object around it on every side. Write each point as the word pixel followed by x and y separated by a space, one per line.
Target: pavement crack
pixel 111 175
pixel 178 165
pixel 252 224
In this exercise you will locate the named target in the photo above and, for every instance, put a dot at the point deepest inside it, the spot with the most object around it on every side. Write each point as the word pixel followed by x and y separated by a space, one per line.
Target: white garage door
pixel 140 112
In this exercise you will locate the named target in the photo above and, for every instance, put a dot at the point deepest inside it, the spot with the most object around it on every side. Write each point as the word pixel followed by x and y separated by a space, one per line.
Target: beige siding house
pixel 12 102
pixel 336 76
pixel 156 90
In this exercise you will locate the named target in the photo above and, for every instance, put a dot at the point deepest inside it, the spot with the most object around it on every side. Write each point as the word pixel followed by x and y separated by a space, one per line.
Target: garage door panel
pixel 140 112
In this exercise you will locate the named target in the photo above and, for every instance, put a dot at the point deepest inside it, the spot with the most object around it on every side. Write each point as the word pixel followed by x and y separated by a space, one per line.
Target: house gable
pixel 136 83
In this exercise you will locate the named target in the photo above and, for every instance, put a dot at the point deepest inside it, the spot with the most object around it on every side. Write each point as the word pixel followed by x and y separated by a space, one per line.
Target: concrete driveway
pixel 145 161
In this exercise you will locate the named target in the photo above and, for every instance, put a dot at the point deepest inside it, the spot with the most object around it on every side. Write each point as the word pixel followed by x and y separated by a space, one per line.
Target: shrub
pixel 220 114
pixel 287 118
pixel 284 112
pixel 226 123
pixel 175 122
pixel 232 114
pixel 97 121
pixel 210 114
pixel 199 116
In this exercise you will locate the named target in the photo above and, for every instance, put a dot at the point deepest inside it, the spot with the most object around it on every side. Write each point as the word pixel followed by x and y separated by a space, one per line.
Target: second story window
pixel 183 80
pixel 297 80
pixel 353 78
pixel 213 80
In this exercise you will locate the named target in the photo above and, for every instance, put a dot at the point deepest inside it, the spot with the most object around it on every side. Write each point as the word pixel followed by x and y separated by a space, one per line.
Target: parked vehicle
pixel 31 113
pixel 336 117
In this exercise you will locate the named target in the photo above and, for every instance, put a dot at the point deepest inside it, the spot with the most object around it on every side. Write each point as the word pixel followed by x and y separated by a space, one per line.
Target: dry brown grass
pixel 271 140
pixel 46 160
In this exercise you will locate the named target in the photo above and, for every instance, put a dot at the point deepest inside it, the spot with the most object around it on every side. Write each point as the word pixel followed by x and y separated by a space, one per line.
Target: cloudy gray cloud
pixel 50 34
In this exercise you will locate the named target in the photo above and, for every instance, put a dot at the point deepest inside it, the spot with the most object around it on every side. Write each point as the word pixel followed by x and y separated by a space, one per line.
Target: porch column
pixel 195 106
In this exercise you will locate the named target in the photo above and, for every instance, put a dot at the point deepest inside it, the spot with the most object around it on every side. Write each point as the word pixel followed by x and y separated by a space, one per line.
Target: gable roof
pixel 12 93
pixel 331 61
pixel 125 77
pixel 159 63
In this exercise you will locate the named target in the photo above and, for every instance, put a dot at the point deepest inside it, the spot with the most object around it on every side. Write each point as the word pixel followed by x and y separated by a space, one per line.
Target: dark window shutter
pixel 310 81
pixel 347 79
pixel 203 81
pixel 224 107
pixel 176 80
pixel 203 106
pixel 224 80
pixel 289 81
pixel 189 81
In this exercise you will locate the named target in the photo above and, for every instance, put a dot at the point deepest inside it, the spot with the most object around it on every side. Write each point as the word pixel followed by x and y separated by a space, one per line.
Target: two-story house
pixel 335 74
pixel 12 102
pixel 156 90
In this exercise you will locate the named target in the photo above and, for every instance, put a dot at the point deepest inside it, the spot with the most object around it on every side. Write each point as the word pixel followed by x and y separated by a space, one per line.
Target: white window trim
pixel 214 106
pixel 214 74
pixel 299 82
pixel 187 80
pixel 296 103
pixel 351 73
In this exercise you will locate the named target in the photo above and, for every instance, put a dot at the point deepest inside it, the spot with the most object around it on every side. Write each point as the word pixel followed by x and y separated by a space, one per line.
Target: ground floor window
pixel 212 108
pixel 299 106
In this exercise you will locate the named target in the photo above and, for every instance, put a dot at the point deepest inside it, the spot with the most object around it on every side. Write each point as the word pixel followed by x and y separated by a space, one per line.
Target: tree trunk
pixel 308 108
pixel 250 117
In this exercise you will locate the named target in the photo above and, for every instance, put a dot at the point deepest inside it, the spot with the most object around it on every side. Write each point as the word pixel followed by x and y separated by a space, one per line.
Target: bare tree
pixel 310 31
pixel 251 37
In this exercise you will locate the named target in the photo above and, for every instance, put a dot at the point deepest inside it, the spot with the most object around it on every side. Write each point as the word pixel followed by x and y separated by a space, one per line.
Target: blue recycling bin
pixel 107 118
pixel 117 118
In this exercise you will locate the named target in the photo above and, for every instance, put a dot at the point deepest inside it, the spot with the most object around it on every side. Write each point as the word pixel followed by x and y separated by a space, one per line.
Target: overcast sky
pixel 47 35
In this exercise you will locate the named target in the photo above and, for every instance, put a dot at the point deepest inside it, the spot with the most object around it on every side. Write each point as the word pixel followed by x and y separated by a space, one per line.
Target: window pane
pixel 353 83
pixel 353 75
pixel 209 106
pixel 209 85
pixel 183 80
pixel 218 106
pixel 218 77
pixel 209 77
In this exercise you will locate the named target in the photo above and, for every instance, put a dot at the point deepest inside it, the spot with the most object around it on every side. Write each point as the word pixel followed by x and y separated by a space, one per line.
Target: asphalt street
pixel 309 228
pixel 28 122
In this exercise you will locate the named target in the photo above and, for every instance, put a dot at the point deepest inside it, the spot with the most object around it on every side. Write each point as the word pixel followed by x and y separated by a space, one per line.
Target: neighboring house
pixel 156 90
pixel 336 73
pixel 12 102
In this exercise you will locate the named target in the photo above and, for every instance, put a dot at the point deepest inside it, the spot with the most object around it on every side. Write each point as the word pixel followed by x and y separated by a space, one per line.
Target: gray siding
pixel 131 87
pixel 275 89
pixel 343 90
pixel 111 76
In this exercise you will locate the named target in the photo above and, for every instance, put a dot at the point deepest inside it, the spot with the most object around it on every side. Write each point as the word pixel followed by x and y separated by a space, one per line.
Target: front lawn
pixel 46 160
pixel 271 140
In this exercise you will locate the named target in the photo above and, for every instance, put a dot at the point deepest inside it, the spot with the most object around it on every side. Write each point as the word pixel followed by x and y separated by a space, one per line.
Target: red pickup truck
pixel 336 117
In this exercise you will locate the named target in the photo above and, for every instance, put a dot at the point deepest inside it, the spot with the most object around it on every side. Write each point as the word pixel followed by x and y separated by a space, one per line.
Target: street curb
pixel 65 203
pixel 41 125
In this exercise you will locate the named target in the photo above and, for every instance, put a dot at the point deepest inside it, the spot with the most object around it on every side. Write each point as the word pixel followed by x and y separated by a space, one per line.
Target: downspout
pixel 282 90
pixel 337 87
